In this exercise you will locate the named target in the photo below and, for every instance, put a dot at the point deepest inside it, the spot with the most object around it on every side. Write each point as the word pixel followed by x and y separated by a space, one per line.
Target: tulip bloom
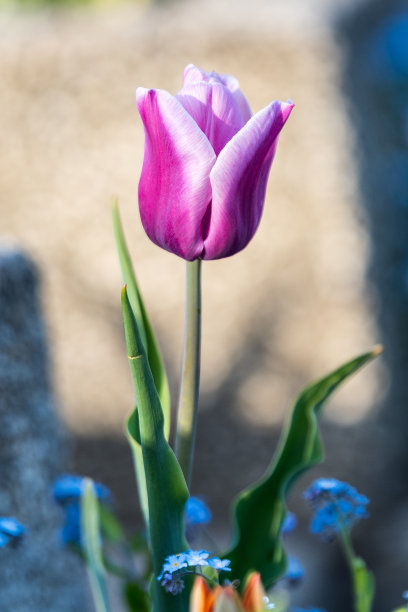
pixel 226 598
pixel 206 164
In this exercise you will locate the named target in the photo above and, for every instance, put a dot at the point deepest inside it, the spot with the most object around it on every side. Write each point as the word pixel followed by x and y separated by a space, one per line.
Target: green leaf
pixel 143 323
pixel 165 485
pixel 133 435
pixel 110 526
pixel 155 360
pixel 363 586
pixel 136 598
pixel 92 546
pixel 260 509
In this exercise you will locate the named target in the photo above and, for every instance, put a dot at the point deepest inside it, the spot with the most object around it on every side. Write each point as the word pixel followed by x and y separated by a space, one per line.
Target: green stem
pixel 190 372
pixel 347 547
pixel 362 579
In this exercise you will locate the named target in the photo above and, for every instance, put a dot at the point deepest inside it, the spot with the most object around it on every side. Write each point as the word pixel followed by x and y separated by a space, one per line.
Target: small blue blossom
pixel 220 564
pixel 337 505
pixel 196 512
pixel 172 584
pixel 289 523
pixel 11 531
pixel 68 488
pixel 70 532
pixel 388 51
pixel 67 491
pixel 294 571
pixel 172 564
pixel 177 566
pixel 197 557
pixel 405 595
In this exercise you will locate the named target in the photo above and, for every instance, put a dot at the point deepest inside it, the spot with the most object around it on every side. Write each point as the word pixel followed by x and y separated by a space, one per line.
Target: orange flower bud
pixel 227 599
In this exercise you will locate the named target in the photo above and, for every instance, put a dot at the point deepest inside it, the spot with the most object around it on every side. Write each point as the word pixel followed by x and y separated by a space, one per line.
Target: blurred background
pixel 324 279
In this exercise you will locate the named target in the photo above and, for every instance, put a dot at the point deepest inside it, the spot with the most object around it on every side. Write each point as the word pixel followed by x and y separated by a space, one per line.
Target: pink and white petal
pixel 233 85
pixel 214 109
pixel 239 180
pixel 192 75
pixel 174 188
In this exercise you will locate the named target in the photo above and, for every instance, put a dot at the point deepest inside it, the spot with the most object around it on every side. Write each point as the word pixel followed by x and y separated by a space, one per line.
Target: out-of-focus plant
pixel 11 531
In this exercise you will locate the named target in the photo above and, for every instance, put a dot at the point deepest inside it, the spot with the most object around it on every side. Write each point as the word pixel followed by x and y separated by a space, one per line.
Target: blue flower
pixel 177 566
pixel 197 557
pixel 172 564
pixel 68 488
pixel 337 505
pixel 289 523
pixel 11 531
pixel 196 512
pixel 294 571
pixel 67 492
pixel 220 564
pixel 70 532
pixel 172 584
pixel 388 50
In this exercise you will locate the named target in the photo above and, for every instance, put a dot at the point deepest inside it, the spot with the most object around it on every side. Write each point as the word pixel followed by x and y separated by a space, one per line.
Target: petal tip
pixel 287 108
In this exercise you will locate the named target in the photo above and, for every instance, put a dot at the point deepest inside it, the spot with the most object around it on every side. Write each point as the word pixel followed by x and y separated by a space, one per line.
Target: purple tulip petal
pixel 193 75
pixel 239 180
pixel 174 188
pixel 214 109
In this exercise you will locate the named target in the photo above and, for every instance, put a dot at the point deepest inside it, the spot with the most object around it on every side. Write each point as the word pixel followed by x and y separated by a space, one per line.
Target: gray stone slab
pixel 38 575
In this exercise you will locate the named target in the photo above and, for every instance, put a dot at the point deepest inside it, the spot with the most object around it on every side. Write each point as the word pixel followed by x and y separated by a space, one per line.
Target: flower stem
pixel 190 373
pixel 362 579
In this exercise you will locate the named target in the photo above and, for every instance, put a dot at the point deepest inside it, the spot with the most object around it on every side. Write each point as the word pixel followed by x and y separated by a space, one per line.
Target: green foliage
pixel 155 361
pixel 110 527
pixel 260 509
pixel 90 531
pixel 363 585
pixel 144 326
pixel 166 489
pixel 136 598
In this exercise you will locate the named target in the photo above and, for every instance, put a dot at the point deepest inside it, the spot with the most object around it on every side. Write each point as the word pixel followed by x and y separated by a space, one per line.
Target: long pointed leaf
pixel 259 510
pixel 143 323
pixel 154 356
pixel 91 543
pixel 165 485
pixel 133 435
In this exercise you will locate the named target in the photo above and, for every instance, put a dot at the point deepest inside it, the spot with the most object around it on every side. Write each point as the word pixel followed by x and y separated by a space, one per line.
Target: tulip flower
pixel 226 598
pixel 206 164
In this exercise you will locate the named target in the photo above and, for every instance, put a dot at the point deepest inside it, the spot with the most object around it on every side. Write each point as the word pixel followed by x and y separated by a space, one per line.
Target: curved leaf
pixel 143 323
pixel 363 585
pixel 166 489
pixel 154 357
pixel 259 510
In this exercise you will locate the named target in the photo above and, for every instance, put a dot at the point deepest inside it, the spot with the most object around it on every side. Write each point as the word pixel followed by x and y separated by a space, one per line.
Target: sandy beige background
pixel 71 138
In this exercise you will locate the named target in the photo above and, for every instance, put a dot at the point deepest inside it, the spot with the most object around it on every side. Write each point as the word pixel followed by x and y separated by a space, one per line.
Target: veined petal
pixel 253 598
pixel 238 181
pixel 226 600
pixel 201 596
pixel 174 188
pixel 214 109
pixel 192 75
